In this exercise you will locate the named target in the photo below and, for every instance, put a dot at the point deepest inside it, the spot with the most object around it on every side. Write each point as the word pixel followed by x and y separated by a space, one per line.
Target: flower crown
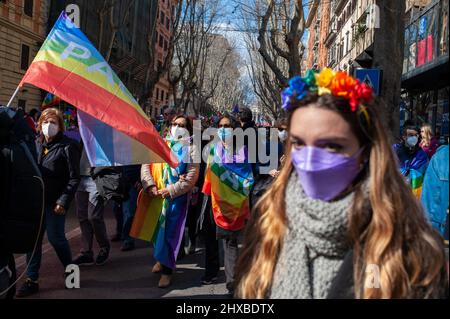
pixel 327 82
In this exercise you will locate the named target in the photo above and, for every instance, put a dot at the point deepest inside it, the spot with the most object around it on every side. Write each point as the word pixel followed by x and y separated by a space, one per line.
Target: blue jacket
pixel 435 189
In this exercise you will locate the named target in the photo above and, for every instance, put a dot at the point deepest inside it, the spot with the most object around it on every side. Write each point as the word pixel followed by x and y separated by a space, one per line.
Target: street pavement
pixel 126 275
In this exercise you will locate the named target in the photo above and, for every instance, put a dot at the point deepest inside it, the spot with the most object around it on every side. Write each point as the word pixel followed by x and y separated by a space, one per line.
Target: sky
pixel 231 26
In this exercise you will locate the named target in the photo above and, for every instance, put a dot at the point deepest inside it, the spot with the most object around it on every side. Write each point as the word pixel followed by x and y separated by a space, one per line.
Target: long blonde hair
pixel 428 134
pixel 392 233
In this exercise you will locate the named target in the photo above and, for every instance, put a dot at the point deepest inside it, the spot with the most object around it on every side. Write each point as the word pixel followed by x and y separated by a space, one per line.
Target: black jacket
pixel 60 169
pixel 110 183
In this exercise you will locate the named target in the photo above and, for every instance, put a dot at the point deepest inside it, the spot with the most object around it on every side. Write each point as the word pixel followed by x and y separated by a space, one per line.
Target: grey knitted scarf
pixel 314 246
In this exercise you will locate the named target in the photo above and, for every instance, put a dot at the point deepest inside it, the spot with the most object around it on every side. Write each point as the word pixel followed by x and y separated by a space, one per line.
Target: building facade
pixel 350 34
pixel 23 27
pixel 425 79
pixel 319 26
pixel 162 95
pixel 348 44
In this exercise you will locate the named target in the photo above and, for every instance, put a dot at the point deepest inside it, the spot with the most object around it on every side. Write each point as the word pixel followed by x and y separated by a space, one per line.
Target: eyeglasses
pixel 224 125
pixel 179 125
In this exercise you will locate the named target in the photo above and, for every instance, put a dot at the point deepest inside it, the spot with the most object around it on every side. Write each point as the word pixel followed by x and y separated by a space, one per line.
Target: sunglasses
pixel 224 125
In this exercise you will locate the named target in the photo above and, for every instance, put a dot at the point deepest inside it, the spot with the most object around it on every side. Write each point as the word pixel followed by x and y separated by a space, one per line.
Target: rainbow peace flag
pixel 69 66
pixel 413 168
pixel 162 220
pixel 416 180
pixel 229 183
pixel 50 100
pixel 148 208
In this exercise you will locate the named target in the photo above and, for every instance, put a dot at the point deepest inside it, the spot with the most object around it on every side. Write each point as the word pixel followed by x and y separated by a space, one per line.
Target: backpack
pixel 21 185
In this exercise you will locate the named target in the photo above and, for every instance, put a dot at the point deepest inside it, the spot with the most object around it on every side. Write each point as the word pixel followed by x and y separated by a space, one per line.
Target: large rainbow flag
pixel 69 66
pixel 229 183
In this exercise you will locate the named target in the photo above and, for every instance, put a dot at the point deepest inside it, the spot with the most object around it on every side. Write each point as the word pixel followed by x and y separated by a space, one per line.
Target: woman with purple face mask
pixel 339 221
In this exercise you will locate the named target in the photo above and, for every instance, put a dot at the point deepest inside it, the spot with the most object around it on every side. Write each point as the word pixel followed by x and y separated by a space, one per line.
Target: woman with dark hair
pixel 160 180
pixel 339 221
pixel 35 114
pixel 228 183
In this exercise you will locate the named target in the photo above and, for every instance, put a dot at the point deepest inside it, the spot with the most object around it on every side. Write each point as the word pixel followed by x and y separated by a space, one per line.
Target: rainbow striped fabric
pixel 69 66
pixel 162 220
pixel 148 208
pixel 413 167
pixel 229 181
pixel 416 180
pixel 50 100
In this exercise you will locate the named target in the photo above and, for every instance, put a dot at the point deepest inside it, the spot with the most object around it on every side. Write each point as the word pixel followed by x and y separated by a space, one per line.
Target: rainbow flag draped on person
pixel 162 220
pixel 413 168
pixel 229 181
pixel 69 66
pixel 416 179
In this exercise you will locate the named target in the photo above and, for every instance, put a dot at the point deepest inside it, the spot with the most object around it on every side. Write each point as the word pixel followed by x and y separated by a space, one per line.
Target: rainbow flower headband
pixel 327 82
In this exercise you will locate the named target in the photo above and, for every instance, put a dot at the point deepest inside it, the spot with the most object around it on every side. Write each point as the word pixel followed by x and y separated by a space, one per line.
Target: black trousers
pixel 118 214
pixel 191 223
pixel 7 259
pixel 166 270
pixel 212 261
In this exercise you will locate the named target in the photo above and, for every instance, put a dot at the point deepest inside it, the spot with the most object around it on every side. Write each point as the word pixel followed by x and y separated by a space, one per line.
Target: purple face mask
pixel 324 175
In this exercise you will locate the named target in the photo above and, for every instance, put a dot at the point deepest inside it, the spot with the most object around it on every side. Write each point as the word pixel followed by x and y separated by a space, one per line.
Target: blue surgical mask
pixel 225 133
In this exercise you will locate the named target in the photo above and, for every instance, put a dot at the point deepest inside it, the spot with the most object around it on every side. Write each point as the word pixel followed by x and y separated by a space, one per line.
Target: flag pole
pixel 13 96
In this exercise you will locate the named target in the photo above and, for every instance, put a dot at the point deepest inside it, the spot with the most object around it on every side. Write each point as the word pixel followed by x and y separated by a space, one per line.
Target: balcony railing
pixel 426 37
pixel 338 5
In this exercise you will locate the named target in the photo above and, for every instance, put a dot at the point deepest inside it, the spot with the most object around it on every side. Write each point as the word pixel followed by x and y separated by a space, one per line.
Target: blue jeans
pixel 129 209
pixel 54 224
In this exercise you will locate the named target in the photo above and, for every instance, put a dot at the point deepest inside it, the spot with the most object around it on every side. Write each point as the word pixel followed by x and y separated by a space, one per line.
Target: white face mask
pixel 412 141
pixel 282 135
pixel 179 132
pixel 50 129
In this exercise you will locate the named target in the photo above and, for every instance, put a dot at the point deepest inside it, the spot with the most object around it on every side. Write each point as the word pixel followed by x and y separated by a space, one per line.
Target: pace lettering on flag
pixel 70 67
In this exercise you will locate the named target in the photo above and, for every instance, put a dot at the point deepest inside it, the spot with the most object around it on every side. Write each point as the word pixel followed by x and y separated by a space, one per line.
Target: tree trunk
pixel 388 56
